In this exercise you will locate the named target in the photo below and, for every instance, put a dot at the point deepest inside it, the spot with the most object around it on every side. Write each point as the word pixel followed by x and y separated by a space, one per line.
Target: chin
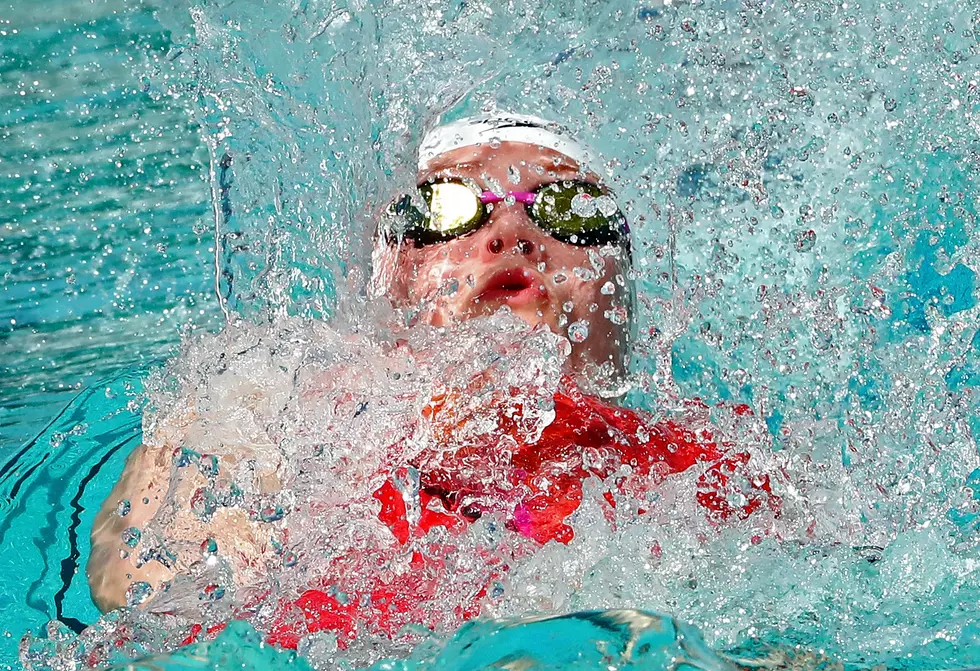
pixel 533 315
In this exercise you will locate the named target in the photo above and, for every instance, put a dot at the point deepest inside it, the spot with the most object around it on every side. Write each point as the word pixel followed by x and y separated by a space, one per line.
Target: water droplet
pixel 203 504
pixel 131 536
pixel 617 315
pixel 209 547
pixel 805 240
pixel 123 508
pixel 271 514
pixel 608 289
pixel 584 205
pixel 138 592
pixel 606 205
pixel 451 288
pixel 211 593
pixel 890 105
pixel 821 338
pixel 513 175
pixel 234 496
pixel 559 278
pixel 578 331
pixel 208 466
pixel 185 457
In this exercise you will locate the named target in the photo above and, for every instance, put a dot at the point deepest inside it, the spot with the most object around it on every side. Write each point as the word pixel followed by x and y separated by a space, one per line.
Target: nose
pixel 524 247
pixel 511 231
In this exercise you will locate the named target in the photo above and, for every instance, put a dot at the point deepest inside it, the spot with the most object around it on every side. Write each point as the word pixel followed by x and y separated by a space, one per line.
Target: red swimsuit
pixel 538 490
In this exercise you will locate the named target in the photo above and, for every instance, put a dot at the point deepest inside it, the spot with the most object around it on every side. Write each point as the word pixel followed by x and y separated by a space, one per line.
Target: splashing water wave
pixel 801 182
pixel 286 430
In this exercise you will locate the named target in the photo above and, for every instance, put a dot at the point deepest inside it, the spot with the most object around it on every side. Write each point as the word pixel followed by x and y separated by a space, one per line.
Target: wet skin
pixel 511 262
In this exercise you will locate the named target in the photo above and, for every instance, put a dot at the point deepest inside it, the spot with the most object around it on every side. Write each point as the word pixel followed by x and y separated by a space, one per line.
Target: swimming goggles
pixel 579 213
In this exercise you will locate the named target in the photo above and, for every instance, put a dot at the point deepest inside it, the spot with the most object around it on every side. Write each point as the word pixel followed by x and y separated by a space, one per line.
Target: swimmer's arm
pixel 147 477
pixel 143 483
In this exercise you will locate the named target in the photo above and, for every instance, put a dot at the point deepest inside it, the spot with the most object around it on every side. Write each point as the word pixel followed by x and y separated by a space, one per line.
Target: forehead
pixel 496 160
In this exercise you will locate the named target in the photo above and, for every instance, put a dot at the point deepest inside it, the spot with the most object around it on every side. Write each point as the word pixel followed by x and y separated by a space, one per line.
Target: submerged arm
pixel 112 564
pixel 161 514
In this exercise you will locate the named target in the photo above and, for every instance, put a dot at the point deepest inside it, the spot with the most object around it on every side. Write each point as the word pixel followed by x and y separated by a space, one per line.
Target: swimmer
pixel 517 219
pixel 510 214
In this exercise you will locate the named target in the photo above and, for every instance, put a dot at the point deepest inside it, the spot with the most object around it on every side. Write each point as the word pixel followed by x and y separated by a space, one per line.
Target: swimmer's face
pixel 511 263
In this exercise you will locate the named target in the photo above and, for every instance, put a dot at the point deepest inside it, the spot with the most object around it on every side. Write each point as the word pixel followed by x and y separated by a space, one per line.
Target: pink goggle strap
pixel 525 197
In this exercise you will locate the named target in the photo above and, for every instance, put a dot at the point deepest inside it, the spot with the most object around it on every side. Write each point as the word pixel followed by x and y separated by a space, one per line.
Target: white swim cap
pixel 504 127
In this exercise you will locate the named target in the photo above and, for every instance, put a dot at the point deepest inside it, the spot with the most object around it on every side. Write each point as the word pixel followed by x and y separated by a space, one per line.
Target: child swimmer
pixel 506 210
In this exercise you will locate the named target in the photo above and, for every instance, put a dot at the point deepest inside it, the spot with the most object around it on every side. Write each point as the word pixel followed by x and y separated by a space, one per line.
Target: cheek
pixel 592 298
pixel 426 269
pixel 585 298
pixel 566 267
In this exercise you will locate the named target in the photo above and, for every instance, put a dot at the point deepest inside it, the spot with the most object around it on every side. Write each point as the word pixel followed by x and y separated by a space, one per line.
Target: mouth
pixel 513 286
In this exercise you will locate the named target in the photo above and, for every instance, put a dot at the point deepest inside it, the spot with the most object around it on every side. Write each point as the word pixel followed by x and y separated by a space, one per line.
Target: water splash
pixel 304 422
pixel 801 189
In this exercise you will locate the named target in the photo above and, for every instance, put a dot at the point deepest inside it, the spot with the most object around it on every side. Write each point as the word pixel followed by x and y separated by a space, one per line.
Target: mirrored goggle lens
pixel 454 208
pixel 579 212
pixel 437 212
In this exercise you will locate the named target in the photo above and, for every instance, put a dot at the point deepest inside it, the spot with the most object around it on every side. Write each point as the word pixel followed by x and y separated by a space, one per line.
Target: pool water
pixel 103 264
pixel 801 180
pixel 104 261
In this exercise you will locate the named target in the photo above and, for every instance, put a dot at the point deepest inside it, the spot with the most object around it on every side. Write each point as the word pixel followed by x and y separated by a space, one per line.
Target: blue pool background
pixel 108 253
pixel 104 262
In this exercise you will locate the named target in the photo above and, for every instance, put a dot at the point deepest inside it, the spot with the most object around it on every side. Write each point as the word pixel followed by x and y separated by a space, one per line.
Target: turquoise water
pixel 103 264
pixel 636 641
pixel 103 260
pixel 802 180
